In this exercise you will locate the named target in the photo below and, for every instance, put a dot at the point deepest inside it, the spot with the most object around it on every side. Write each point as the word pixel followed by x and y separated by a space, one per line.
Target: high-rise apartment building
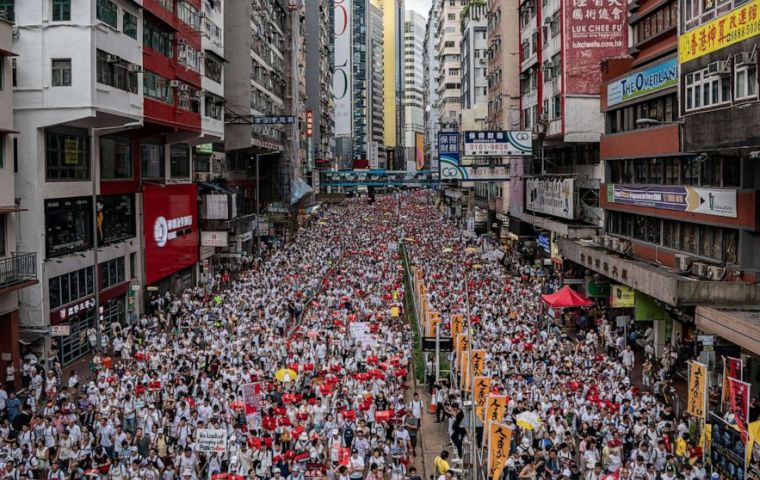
pixel 319 80
pixel 430 83
pixel 448 29
pixel 377 157
pixel 393 91
pixel 474 58
pixel 414 89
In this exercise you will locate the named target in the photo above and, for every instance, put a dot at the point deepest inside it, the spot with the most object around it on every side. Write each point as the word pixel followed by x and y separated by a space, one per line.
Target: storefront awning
pixel 7 53
pixel 739 325
pixel 29 336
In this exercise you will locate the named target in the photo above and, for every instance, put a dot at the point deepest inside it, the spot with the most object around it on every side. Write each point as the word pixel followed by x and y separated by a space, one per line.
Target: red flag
pixel 738 395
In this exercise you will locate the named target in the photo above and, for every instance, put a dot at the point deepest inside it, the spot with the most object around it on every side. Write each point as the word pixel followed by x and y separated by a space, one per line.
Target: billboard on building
pixel 342 78
pixel 733 27
pixel 653 79
pixel 171 229
pixel 419 147
pixel 506 143
pixel 708 201
pixel 593 31
pixel 553 196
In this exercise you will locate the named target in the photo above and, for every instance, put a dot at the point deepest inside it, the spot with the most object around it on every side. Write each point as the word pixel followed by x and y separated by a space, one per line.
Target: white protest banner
pixel 211 440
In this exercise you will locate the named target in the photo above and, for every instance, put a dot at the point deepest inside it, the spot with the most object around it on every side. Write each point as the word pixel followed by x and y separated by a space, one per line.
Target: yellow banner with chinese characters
pixel 481 389
pixel 697 389
pixel 464 370
pixel 735 26
pixel 496 408
pixel 431 320
pixel 457 325
pixel 478 361
pixel 461 343
pixel 499 440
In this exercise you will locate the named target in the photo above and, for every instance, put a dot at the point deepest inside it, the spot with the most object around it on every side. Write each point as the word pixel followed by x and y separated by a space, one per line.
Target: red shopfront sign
pixel 171 229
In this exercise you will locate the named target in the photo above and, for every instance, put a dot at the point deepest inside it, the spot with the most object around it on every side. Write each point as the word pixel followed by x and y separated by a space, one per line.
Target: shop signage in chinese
pixel 696 404
pixel 274 120
pixel 72 310
pixel 498 143
pixel 735 26
pixel 655 78
pixel 60 330
pixel 214 239
pixel 621 296
pixel 553 196
pixel 708 201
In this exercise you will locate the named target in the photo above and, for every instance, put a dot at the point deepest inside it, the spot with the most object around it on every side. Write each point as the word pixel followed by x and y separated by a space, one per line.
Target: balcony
pixel 17 271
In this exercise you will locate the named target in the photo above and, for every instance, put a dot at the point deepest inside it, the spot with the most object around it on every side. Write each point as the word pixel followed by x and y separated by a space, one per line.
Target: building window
pixel 70 287
pixel 167 4
pixel 212 69
pixel 213 106
pixel 61 72
pixel 68 226
pixel 157 39
pixel 705 89
pixel 152 160
pixel 2 235
pixel 129 25
pixel 157 87
pixel 116 218
pixel 746 82
pixel 115 158
pixel 61 10
pixel 116 72
pixel 107 12
pixel 557 106
pixel 8 10
pixel 180 161
pixel 111 273
pixel 66 154
pixel 189 15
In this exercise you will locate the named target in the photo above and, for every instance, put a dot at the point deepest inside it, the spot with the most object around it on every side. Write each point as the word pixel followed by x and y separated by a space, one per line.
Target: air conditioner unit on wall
pixel 683 262
pixel 699 269
pixel 715 273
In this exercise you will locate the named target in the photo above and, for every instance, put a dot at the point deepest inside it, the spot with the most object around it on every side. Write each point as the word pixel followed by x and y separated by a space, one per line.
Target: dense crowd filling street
pixel 301 368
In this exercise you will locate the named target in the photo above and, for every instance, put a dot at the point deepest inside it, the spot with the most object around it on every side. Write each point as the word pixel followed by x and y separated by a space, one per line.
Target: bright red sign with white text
pixel 171 229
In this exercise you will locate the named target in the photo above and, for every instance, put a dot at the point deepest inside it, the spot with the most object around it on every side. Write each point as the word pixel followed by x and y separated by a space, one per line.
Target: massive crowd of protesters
pixel 344 413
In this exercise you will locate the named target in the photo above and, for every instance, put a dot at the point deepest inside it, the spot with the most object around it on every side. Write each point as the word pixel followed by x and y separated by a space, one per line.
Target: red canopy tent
pixel 566 297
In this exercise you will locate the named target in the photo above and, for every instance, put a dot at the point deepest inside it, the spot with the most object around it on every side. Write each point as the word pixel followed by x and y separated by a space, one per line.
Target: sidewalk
pixel 433 438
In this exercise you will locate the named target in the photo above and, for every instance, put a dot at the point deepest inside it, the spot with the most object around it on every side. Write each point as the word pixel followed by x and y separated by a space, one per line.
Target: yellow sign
pixel 499 440
pixel 481 388
pixel 753 432
pixel 457 325
pixel 461 343
pixel 621 296
pixel 478 361
pixel 496 408
pixel 394 312
pixel 697 389
pixel 735 26
pixel 431 320
pixel 464 370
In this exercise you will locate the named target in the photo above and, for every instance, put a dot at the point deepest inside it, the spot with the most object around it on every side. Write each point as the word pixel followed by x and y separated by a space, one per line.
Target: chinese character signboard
pixel 653 79
pixel 622 296
pixel 480 392
pixel 708 201
pixel 274 120
pixel 735 26
pixel 498 144
pixel 594 30
pixel 553 196
pixel 696 404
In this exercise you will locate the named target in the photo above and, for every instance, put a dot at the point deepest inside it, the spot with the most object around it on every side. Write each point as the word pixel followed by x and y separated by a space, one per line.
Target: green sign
pixel 598 289
pixel 204 148
pixel 647 309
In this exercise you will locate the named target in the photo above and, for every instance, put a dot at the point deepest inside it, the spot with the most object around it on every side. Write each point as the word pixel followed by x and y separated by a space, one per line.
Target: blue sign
pixel 274 120
pixel 505 143
pixel 655 78
pixel 448 143
pixel 543 242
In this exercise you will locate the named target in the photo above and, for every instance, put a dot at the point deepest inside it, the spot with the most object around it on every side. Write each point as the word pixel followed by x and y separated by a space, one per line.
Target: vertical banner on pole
pixel 499 442
pixel 457 326
pixel 697 390
pixel 481 388
pixel 496 408
pixel 738 399
pixel 478 362
pixel 732 368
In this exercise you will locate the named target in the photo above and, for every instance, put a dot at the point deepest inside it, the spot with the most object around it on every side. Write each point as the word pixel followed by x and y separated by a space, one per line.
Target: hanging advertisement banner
pixel 592 32
pixel 653 79
pixel 553 196
pixel 696 403
pixel 419 150
pixel 708 201
pixel 508 143
pixel 732 368
pixel 499 442
pixel 342 76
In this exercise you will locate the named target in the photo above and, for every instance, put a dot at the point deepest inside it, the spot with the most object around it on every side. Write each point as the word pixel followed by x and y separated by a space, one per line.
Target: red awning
pixel 566 297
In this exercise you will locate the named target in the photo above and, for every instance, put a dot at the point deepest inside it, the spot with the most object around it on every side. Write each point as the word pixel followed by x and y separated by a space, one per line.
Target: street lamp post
pixel 471 374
